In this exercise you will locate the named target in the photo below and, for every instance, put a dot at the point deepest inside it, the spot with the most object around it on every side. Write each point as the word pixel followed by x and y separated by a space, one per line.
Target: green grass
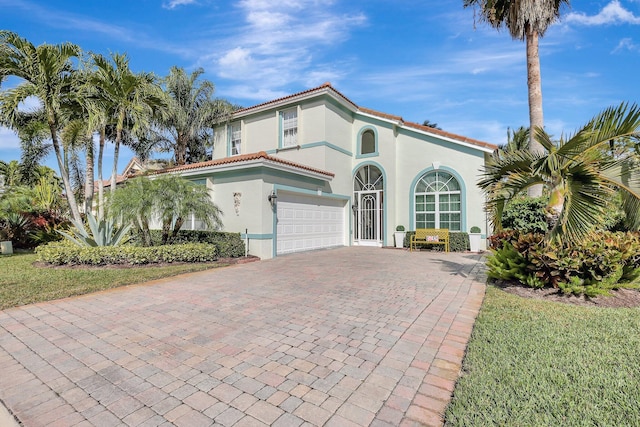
pixel 537 363
pixel 23 283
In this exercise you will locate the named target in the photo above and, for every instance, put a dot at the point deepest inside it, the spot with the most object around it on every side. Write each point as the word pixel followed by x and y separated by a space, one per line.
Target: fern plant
pixel 102 232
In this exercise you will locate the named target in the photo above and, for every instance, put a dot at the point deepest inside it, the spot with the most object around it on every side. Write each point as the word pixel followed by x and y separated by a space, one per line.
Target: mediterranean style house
pixel 314 170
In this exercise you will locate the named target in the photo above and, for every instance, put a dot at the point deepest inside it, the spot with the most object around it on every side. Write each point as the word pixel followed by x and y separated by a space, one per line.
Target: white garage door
pixel 306 223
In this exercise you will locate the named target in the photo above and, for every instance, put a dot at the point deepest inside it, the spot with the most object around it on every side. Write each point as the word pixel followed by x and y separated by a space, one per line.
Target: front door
pixel 368 196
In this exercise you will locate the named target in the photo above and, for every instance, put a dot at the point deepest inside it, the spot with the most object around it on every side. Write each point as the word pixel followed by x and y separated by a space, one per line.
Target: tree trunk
pixel 100 181
pixel 116 152
pixel 181 149
pixel 64 173
pixel 89 182
pixel 536 119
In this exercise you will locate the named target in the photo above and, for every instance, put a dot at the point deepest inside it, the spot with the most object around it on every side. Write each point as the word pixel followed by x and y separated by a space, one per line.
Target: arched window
pixel 368 142
pixel 438 201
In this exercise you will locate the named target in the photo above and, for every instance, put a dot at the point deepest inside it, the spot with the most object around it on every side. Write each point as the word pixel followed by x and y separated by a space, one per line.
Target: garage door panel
pixel 307 223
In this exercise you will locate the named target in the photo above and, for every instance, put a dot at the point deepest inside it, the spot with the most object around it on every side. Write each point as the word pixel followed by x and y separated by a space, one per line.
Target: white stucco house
pixel 315 170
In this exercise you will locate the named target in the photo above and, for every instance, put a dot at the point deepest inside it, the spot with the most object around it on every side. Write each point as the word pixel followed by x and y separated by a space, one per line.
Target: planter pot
pixel 6 248
pixel 399 236
pixel 474 241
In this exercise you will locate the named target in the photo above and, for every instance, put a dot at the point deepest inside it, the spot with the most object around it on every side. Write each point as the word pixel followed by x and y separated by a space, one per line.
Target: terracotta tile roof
pixel 429 129
pixel 400 120
pixel 242 158
pixel 324 86
pixel 107 182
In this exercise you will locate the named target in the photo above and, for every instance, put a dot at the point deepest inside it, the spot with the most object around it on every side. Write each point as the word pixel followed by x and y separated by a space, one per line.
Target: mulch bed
pixel 620 298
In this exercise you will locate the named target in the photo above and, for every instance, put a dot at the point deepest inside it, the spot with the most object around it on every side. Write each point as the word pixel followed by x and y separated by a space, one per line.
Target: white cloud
pixel 281 43
pixel 626 44
pixel 613 13
pixel 175 3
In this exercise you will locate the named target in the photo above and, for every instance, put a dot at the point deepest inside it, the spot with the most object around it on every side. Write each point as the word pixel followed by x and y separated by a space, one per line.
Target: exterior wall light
pixel 272 198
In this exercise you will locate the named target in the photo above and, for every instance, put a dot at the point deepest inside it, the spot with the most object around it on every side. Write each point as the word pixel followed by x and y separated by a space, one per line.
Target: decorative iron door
pixel 368 206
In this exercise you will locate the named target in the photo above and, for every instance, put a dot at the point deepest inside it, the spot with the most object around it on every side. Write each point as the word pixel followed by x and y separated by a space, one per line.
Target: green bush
pixel 63 253
pixel 229 245
pixel 602 262
pixel 525 215
pixel 458 242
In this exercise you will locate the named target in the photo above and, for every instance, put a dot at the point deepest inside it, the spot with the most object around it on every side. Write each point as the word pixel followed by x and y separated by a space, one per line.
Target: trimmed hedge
pixel 229 245
pixel 458 242
pixel 64 253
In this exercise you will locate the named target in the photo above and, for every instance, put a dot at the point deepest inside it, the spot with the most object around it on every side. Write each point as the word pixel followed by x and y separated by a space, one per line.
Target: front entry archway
pixel 368 196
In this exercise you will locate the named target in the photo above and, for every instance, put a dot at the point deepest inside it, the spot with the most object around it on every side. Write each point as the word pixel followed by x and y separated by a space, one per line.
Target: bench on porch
pixel 430 236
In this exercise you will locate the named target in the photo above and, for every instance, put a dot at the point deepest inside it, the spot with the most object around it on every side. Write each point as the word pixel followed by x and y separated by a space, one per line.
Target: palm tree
pixel 130 98
pixel 11 172
pixel 192 112
pixel 172 198
pixel 47 73
pixel 577 174
pixel 526 20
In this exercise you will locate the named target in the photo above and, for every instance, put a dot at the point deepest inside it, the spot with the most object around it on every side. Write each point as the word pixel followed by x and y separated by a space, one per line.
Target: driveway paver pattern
pixel 352 336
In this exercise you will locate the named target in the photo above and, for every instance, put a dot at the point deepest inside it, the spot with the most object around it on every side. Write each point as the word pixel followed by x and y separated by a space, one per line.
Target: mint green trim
pixel 463 196
pixel 328 145
pixel 280 127
pixel 378 121
pixel 312 145
pixel 477 152
pixel 274 226
pixel 384 190
pixel 359 154
pixel 256 236
pixel 307 192
pixel 200 181
pixel 229 130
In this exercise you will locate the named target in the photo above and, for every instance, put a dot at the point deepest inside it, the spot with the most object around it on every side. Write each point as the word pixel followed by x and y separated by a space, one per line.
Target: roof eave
pixel 296 98
pixel 253 163
pixel 401 124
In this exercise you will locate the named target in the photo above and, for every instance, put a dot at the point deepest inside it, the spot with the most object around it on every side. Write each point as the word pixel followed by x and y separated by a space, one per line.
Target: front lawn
pixel 23 283
pixel 539 363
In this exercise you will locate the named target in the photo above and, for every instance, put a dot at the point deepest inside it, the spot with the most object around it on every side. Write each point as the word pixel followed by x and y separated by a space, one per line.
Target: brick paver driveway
pixel 342 337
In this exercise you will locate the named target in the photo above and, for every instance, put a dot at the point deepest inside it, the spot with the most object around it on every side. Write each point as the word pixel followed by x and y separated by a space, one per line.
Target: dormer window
pixel 290 128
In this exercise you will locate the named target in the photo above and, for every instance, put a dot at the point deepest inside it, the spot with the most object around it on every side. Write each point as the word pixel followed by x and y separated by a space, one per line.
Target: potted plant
pixel 399 236
pixel 475 238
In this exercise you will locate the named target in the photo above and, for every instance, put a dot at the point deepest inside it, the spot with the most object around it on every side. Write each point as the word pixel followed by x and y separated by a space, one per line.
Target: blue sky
pixel 417 59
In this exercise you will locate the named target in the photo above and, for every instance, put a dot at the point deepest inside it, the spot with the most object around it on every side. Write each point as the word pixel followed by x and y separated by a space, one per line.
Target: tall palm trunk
pixel 116 151
pixel 181 149
pixel 64 172
pixel 100 181
pixel 89 182
pixel 534 85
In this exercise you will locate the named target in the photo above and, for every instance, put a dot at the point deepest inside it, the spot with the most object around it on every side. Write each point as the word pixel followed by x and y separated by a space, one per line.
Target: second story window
pixel 368 142
pixel 289 128
pixel 236 140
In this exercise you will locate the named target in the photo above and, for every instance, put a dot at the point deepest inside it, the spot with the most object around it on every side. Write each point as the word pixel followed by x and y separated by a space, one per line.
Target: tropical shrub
pixel 579 175
pixel 458 241
pixel 229 245
pixel 102 232
pixel 66 253
pixel 602 262
pixel 527 215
